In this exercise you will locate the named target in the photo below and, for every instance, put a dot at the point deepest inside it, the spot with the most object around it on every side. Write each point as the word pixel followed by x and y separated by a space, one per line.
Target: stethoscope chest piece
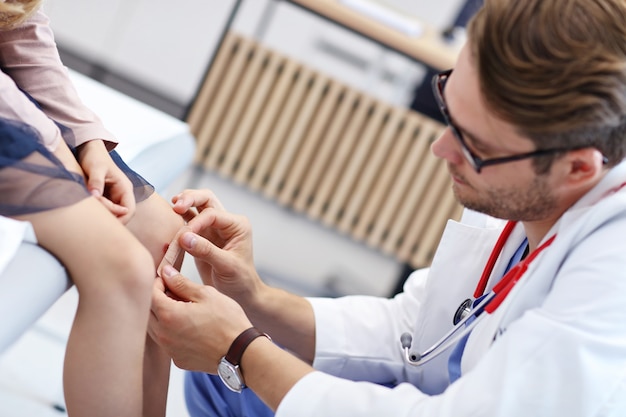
pixel 463 311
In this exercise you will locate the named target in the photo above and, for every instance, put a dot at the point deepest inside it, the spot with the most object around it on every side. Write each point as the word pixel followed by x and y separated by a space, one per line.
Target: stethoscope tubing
pixel 449 339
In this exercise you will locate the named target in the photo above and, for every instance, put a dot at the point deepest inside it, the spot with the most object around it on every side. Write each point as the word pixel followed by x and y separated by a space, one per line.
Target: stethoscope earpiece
pixel 413 358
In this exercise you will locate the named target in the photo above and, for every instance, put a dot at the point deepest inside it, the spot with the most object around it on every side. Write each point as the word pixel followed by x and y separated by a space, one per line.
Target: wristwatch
pixel 229 368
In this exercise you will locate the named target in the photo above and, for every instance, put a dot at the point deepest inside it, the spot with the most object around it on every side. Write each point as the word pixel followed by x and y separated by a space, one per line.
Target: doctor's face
pixel 509 190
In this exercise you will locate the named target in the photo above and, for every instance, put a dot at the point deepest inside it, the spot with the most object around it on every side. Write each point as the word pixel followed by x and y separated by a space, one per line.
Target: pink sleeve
pixel 30 60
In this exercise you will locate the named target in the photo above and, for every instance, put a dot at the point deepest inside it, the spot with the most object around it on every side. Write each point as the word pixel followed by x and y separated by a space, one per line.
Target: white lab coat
pixel 555 347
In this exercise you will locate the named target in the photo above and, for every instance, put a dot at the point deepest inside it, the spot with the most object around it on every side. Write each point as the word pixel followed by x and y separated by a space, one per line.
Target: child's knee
pixel 135 273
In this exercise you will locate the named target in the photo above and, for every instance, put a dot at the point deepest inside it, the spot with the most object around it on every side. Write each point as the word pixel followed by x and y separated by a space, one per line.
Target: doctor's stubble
pixel 522 203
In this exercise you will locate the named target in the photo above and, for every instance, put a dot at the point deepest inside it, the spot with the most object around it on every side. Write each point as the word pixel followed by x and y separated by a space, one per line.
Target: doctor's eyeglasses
pixel 439 84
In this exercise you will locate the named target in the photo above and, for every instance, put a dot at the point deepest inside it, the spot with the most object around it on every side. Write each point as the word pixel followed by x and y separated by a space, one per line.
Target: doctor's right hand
pixel 221 244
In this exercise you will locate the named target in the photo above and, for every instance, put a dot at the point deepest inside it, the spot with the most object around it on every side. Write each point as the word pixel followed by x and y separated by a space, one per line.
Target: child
pixel 99 218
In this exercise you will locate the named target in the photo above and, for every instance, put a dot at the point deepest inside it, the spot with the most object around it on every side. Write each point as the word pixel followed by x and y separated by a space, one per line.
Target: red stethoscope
pixel 489 302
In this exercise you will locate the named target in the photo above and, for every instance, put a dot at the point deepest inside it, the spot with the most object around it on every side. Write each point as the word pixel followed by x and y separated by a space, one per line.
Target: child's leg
pixel 112 270
pixel 113 273
pixel 155 224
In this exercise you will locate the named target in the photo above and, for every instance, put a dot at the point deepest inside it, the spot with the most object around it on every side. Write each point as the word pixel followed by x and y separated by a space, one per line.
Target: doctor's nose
pixel 448 148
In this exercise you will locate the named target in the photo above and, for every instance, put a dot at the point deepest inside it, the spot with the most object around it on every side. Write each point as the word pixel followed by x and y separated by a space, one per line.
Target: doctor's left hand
pixel 193 323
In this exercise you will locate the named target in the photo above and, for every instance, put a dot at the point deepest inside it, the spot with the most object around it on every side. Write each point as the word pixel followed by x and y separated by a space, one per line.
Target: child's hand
pixel 106 181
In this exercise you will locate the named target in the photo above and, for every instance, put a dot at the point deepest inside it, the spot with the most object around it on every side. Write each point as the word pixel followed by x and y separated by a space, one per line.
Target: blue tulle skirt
pixel 32 179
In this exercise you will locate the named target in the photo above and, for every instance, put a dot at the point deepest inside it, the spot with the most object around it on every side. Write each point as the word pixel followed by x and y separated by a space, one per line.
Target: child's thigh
pixel 88 240
pixel 36 182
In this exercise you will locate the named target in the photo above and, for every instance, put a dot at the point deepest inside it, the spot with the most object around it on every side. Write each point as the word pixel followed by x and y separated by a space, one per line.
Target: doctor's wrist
pixel 255 297
pixel 270 371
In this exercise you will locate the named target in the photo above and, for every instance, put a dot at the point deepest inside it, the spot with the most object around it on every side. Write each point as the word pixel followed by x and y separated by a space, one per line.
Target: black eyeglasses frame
pixel 438 85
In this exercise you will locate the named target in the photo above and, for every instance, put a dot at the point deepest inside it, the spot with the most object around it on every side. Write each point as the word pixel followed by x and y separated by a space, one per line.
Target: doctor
pixel 536 112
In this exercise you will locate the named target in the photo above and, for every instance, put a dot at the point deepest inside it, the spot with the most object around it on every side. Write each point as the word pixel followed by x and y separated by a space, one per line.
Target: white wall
pixel 167 45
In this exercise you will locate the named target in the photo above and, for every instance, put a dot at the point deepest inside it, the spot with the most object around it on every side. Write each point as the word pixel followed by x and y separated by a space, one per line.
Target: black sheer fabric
pixel 32 179
pixel 141 187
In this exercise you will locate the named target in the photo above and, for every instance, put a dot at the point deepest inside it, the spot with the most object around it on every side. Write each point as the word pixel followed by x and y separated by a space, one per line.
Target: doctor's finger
pixel 174 250
pixel 161 310
pixel 220 222
pixel 200 199
pixel 180 287
pixel 198 247
pixel 166 304
pixel 160 301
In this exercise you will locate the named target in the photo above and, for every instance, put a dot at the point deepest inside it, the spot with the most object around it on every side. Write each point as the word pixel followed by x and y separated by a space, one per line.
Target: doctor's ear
pixel 583 164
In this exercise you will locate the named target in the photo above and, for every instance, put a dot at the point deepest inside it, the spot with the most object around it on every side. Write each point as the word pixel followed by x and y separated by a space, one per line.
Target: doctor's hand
pixel 106 181
pixel 219 241
pixel 188 204
pixel 193 323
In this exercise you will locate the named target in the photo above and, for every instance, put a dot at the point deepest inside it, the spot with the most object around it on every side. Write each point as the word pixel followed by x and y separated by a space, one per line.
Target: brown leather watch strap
pixel 241 342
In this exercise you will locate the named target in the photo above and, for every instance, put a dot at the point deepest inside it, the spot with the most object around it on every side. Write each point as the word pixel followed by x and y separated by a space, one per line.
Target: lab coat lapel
pixel 534 286
pixel 464 249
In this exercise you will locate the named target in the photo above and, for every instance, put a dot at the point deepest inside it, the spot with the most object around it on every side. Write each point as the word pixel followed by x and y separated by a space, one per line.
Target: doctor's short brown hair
pixel 555 69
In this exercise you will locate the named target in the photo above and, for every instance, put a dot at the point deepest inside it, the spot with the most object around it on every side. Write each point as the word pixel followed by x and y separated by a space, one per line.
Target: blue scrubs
pixel 206 395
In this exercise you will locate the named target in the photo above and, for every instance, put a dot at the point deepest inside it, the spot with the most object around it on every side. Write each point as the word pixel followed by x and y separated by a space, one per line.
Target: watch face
pixel 230 375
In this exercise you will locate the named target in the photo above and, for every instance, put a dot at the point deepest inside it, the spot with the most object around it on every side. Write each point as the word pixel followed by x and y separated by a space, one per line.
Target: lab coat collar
pixel 613 179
